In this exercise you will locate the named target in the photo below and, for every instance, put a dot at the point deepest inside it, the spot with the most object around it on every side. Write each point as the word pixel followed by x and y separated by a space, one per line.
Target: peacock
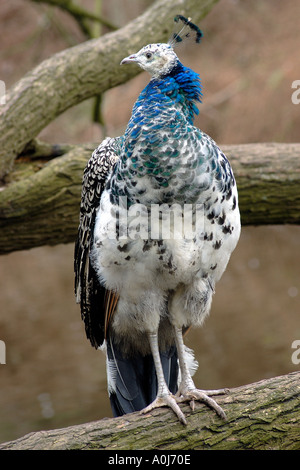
pixel 159 219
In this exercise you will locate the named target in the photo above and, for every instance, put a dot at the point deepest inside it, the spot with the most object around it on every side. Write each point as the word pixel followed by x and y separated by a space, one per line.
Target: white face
pixel 157 59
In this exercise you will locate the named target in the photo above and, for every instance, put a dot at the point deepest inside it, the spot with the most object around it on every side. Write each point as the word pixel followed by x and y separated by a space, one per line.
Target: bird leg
pixel 187 390
pixel 164 396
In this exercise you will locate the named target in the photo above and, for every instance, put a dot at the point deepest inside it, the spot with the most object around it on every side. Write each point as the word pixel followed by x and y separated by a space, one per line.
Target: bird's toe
pixel 166 400
pixel 204 397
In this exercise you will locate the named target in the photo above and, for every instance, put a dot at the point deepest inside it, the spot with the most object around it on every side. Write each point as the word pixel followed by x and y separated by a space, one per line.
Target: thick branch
pixel 43 207
pixel 268 178
pixel 263 415
pixel 83 71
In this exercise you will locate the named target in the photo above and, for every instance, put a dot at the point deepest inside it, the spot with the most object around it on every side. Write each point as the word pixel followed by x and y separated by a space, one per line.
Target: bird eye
pixel 148 55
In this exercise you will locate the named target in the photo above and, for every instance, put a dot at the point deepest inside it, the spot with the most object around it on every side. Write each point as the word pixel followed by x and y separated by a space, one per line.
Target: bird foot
pixel 203 396
pixel 166 400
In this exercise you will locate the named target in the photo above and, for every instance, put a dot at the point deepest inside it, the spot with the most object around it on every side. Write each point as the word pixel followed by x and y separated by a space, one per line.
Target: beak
pixel 129 60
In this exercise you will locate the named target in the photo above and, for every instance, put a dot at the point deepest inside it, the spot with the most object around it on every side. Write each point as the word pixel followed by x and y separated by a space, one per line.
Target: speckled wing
pixel 89 293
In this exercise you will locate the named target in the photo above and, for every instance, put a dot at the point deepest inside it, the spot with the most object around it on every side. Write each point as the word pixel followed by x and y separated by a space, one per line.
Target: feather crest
pixel 184 30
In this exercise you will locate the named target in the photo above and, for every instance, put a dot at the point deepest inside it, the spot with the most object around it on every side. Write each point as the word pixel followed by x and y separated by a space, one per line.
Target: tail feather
pixel 132 382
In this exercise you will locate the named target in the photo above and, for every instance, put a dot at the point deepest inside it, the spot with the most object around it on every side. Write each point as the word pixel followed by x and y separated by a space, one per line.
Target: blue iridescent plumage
pixel 168 103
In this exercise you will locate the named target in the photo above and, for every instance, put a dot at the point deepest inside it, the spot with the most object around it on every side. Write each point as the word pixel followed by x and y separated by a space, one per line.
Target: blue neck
pixel 163 112
pixel 181 85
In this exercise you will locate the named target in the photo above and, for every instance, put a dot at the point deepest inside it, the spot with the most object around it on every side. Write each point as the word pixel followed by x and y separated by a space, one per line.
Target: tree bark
pixel 80 72
pixel 260 416
pixel 40 205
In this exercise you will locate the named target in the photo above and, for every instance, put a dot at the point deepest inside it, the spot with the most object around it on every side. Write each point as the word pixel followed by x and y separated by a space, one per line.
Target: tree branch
pixel 78 12
pixel 260 416
pixel 80 72
pixel 41 204
pixel 80 15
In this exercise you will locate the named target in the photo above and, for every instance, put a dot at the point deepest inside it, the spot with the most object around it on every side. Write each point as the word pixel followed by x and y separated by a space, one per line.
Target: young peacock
pixel 159 220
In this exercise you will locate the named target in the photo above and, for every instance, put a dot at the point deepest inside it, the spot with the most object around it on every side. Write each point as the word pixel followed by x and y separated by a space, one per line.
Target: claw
pixel 202 396
pixel 220 391
pixel 189 395
pixel 166 400
pixel 192 405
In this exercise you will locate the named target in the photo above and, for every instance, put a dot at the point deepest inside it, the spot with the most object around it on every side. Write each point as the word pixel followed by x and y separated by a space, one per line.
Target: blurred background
pixel 248 59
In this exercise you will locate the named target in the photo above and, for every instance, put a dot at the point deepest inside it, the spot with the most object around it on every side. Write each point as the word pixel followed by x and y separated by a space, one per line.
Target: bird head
pixel 157 59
